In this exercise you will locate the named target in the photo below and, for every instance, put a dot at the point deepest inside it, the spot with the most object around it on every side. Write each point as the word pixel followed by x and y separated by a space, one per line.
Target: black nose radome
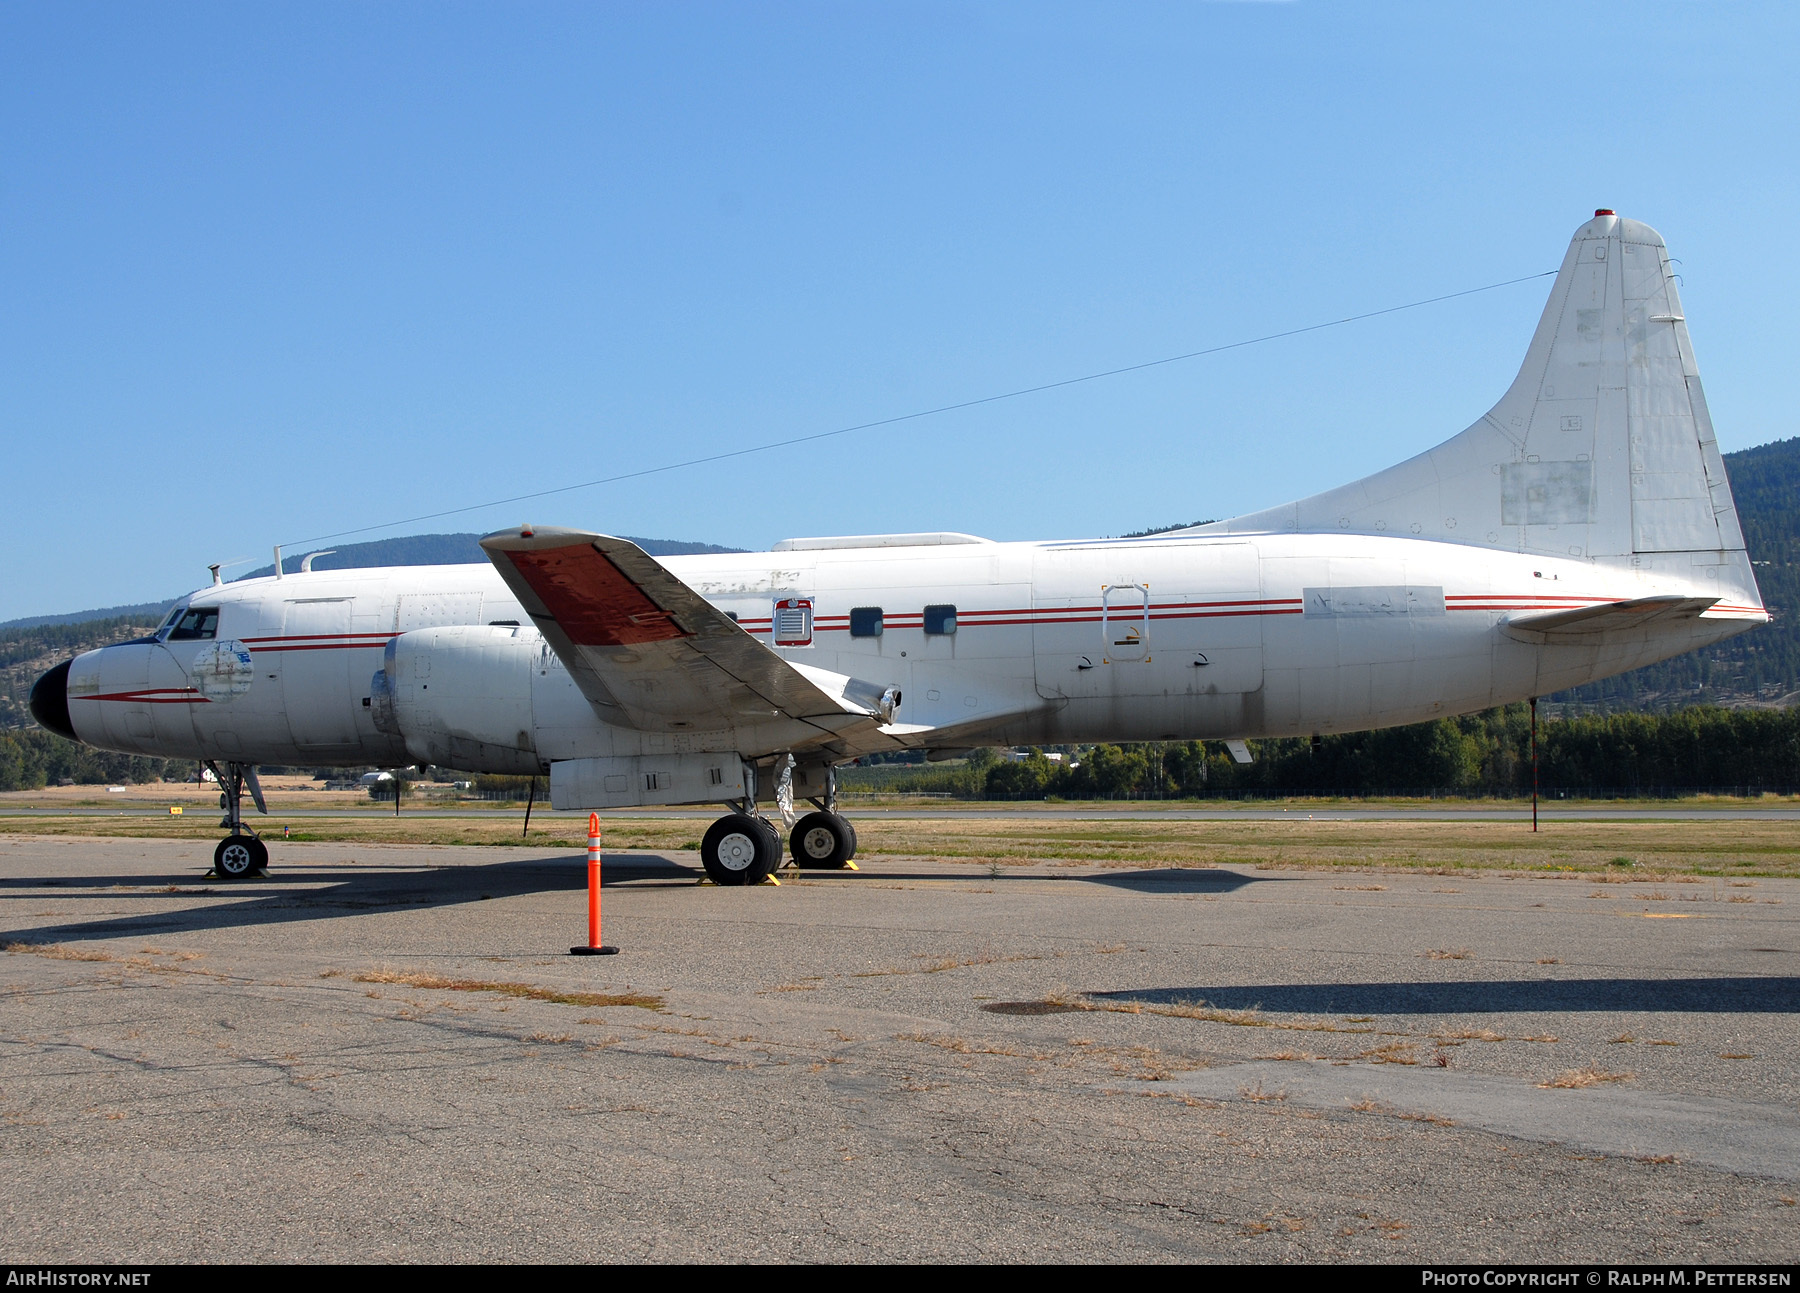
pixel 50 701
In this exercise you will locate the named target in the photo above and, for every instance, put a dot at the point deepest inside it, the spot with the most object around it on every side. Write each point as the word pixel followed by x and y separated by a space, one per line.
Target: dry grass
pixel 1662 850
pixel 963 1046
pixel 527 991
pixel 57 952
pixel 1450 954
pixel 1573 1079
pixel 1369 1105
pixel 940 964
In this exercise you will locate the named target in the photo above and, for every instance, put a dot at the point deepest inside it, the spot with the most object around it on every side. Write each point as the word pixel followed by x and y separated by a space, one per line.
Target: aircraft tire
pixel 771 838
pixel 739 849
pixel 822 842
pixel 239 856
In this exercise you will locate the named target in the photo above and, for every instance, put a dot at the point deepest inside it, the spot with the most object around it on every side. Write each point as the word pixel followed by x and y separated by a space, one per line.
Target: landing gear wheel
pixel 240 855
pixel 740 849
pixel 772 840
pixel 822 842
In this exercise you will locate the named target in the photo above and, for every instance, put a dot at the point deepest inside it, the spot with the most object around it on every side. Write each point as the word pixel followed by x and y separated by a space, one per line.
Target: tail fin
pixel 1601 449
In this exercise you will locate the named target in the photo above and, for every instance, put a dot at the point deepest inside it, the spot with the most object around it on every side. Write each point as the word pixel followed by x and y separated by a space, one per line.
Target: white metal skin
pixel 1406 596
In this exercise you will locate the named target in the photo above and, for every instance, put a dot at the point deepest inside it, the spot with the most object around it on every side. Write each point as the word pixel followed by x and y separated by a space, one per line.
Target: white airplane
pixel 1582 527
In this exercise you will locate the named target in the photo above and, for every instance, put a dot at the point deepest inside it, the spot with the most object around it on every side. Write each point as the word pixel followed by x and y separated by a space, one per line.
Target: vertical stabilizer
pixel 1602 448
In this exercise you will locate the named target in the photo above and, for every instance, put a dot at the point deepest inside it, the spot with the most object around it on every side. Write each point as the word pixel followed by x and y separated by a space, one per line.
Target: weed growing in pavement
pixel 530 992
pixel 1584 1077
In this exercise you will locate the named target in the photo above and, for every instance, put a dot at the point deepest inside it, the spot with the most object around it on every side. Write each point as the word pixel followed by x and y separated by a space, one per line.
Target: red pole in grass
pixel 593 947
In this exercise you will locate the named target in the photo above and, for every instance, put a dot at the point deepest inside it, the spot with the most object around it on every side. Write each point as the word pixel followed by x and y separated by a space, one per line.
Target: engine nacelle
pixel 461 697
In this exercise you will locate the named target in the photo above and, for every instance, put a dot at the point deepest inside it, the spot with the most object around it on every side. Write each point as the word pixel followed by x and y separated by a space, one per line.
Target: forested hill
pixel 30 646
pixel 1758 668
pixel 446 550
pixel 409 550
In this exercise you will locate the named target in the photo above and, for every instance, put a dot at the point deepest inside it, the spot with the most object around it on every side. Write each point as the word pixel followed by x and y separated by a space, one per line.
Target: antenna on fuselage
pixel 278 561
pixel 218 566
pixel 307 560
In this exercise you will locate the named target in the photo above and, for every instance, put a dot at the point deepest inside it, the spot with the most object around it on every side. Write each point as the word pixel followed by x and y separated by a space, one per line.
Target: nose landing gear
pixel 241 853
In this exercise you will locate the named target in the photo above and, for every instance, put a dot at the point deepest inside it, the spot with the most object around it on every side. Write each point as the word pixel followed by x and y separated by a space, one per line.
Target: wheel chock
pixel 769 879
pixel 851 866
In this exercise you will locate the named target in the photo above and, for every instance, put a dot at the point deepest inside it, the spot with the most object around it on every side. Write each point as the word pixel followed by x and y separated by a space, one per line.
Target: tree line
pixel 31 758
pixel 1702 747
pixel 1486 754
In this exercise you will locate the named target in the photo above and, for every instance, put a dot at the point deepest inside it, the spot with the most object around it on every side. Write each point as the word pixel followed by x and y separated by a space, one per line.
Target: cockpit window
pixel 197 623
pixel 170 620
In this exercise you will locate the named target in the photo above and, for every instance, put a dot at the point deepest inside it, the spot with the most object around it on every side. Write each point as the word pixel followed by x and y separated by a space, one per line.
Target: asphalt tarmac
pixel 386 1053
pixel 1624 810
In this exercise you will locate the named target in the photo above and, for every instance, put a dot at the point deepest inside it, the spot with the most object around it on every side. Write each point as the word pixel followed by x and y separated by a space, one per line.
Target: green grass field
pixel 1638 848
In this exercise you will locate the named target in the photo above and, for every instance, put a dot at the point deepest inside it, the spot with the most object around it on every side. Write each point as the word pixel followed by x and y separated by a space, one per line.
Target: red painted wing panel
pixel 591 598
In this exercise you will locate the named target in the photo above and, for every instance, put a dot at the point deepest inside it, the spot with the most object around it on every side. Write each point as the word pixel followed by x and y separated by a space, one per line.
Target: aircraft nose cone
pixel 50 701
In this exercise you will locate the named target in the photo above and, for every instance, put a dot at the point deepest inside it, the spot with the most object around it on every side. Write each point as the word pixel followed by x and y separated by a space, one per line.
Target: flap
pixel 650 653
pixel 1608 617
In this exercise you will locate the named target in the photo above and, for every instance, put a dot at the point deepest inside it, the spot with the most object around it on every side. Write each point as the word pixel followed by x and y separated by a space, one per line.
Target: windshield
pixel 169 620
pixel 196 624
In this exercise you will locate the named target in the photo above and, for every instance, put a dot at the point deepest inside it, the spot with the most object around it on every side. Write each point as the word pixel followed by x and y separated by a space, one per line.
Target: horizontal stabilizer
pixel 1608 617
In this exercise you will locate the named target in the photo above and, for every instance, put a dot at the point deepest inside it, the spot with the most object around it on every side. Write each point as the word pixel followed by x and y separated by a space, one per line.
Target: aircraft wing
pixel 1576 625
pixel 650 653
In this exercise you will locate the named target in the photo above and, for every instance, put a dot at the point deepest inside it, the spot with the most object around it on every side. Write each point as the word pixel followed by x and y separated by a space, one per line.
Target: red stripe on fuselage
pixel 154 696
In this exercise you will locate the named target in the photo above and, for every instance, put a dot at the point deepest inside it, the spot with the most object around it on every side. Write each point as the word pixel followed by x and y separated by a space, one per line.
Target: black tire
pixel 850 830
pixel 821 842
pixel 772 841
pixel 239 856
pixel 739 849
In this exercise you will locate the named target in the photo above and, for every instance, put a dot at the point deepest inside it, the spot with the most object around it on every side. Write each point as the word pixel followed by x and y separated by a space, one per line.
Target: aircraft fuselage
pixel 1186 637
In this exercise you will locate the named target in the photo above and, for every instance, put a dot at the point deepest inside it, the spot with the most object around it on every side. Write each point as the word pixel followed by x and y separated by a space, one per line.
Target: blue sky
pixel 269 272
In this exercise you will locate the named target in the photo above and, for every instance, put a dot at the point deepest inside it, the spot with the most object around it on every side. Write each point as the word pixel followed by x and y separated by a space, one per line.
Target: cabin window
pixel 865 622
pixel 940 620
pixel 199 623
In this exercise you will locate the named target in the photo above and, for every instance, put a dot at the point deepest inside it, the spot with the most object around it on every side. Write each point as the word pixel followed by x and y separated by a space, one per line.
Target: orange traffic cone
pixel 593 947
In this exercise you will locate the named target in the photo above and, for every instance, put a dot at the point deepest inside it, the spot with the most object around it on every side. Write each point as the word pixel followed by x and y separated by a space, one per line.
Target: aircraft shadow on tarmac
pixel 1726 994
pixel 278 900
pixel 1175 879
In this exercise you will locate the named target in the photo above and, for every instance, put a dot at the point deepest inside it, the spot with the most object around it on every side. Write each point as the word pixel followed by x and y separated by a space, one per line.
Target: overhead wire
pixel 814 437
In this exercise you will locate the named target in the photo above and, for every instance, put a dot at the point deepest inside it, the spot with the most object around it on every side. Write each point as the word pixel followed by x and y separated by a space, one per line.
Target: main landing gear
pixel 240 853
pixel 745 848
pixel 740 849
pixel 823 841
